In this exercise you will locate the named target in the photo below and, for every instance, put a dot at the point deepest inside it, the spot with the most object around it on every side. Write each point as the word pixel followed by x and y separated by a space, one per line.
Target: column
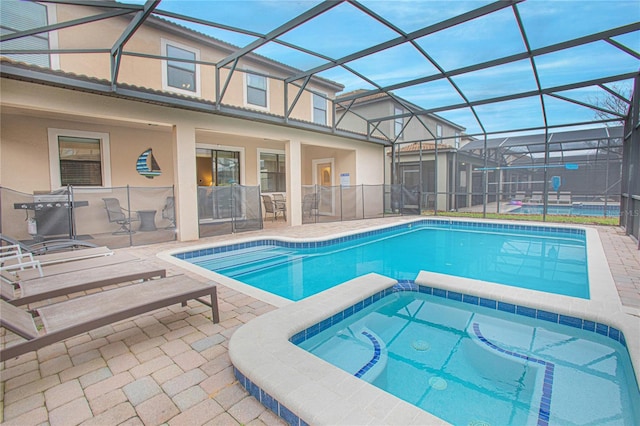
pixel 293 152
pixel 184 166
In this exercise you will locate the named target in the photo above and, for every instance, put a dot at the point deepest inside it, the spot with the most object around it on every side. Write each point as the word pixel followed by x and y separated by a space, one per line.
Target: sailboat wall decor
pixel 147 165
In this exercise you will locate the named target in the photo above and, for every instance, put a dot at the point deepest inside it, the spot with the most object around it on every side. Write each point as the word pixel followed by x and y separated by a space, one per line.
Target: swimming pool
pixel 472 364
pixel 576 209
pixel 548 259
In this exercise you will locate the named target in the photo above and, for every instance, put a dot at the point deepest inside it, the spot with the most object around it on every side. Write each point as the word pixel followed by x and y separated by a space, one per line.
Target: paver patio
pixel 172 366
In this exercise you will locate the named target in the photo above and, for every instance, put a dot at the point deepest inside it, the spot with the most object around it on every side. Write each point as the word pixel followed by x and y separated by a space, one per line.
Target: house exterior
pixel 70 116
pixel 413 161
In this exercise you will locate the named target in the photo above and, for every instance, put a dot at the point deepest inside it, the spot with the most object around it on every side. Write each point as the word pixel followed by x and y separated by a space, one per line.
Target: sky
pixel 345 29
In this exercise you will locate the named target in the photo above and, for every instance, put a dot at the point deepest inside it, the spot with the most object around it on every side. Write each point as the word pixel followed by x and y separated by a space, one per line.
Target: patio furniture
pixel 47 246
pixel 78 265
pixel 169 212
pixel 44 288
pixel 14 254
pixel 310 204
pixel 147 220
pixel 85 313
pixel 274 208
pixel 536 197
pixel 120 215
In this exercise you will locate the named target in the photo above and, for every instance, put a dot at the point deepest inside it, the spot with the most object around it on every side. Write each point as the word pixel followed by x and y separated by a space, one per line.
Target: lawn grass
pixel 581 220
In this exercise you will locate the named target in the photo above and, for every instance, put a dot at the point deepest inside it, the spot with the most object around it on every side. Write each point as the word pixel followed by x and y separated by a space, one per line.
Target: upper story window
pixel 439 133
pixel 457 140
pixel 319 109
pixel 79 158
pixel 398 122
pixel 20 16
pixel 256 90
pixel 180 74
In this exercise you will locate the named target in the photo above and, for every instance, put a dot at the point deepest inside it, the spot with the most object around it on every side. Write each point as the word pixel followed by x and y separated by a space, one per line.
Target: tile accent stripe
pixel 544 412
pixel 434 223
pixel 376 355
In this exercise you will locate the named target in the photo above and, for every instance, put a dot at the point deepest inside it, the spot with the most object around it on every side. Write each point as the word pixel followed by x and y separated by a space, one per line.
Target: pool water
pixel 572 210
pixel 471 365
pixel 526 257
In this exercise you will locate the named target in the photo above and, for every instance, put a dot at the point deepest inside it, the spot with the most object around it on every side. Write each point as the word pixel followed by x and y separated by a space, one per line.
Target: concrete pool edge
pixel 319 393
pixel 316 391
pixel 598 265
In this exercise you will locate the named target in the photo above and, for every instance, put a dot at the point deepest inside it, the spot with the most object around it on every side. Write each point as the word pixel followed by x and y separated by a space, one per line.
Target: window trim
pixel 439 133
pixel 326 109
pixel 165 73
pixel 245 89
pixel 261 151
pixel 54 156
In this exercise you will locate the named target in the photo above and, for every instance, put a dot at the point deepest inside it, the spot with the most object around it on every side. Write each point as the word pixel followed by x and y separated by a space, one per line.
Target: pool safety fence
pixel 116 217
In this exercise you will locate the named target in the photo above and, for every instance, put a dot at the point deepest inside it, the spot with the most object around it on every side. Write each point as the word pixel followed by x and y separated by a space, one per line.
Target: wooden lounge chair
pixel 79 265
pixel 71 282
pixel 75 316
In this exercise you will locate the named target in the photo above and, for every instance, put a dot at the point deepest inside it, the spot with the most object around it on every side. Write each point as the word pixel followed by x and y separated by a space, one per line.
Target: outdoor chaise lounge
pixel 63 284
pixel 46 246
pixel 78 265
pixel 75 316
pixel 10 255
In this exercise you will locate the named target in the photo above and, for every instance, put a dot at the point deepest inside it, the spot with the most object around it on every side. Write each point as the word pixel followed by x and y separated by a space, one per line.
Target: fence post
pixel 129 214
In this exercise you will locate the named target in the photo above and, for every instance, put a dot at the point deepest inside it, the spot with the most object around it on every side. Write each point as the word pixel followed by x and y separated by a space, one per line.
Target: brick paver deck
pixel 172 366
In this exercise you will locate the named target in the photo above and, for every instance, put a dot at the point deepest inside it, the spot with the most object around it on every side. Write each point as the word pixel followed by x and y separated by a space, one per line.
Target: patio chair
pixel 62 268
pixel 274 208
pixel 40 289
pixel 310 204
pixel 47 246
pixel 169 212
pixel 99 309
pixel 120 215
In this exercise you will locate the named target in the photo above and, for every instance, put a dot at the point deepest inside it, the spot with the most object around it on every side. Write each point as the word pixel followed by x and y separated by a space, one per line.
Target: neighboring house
pixel 74 116
pixel 414 138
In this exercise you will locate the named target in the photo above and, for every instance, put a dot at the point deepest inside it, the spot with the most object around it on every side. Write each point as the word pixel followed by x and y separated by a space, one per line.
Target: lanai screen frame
pixel 140 13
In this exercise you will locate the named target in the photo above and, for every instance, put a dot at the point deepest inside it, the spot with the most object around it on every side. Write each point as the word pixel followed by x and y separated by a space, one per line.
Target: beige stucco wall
pixel 147 72
pixel 135 126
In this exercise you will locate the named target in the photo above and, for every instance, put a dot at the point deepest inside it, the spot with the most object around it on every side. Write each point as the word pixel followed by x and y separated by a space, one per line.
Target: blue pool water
pixel 471 365
pixel 545 259
pixel 572 210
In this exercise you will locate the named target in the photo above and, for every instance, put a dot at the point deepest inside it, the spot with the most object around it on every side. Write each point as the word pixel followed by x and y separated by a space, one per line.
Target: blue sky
pixel 345 29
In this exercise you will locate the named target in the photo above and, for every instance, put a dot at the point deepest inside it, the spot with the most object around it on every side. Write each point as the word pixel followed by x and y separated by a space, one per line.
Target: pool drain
pixel 420 345
pixel 479 423
pixel 438 383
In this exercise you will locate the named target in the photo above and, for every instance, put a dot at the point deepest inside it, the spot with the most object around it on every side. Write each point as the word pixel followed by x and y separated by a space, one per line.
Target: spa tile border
pixel 410 285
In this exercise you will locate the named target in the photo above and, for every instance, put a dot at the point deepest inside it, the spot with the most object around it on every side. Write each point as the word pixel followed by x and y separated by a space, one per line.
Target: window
pixel 79 158
pixel 181 75
pixel 256 90
pixel 19 16
pixel 273 172
pixel 457 140
pixel 438 133
pixel 319 109
pixel 217 167
pixel 398 122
